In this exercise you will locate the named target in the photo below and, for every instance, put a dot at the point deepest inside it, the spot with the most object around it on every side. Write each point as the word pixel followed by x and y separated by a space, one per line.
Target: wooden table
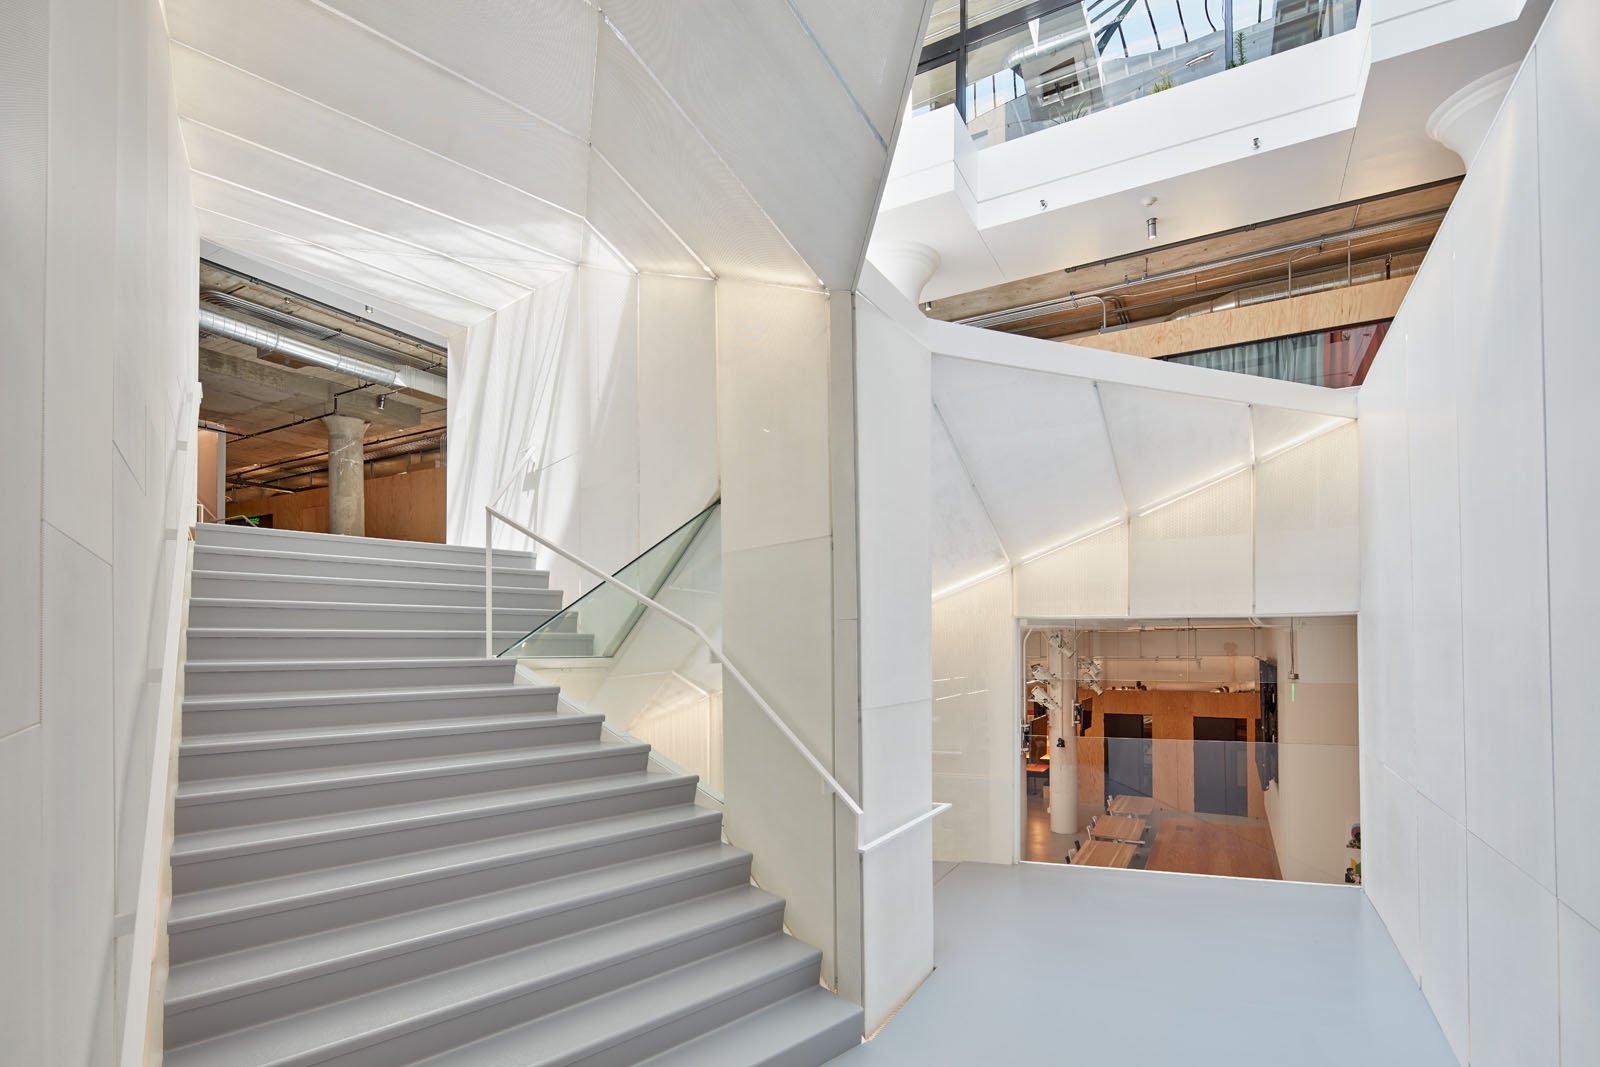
pixel 1123 805
pixel 1103 854
pixel 1118 828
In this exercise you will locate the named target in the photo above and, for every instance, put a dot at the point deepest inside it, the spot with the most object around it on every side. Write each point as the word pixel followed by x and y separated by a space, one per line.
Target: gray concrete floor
pixel 1046 965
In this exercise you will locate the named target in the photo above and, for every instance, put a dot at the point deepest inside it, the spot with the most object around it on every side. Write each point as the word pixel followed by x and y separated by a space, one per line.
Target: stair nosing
pixel 356 776
pixel 290 555
pixel 395 695
pixel 360 733
pixel 202 573
pixel 634 782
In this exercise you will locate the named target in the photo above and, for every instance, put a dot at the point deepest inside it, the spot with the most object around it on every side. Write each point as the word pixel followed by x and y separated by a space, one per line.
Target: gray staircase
pixel 389 851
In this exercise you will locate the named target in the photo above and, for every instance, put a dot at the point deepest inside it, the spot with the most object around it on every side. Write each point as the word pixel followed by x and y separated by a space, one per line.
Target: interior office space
pixel 687 455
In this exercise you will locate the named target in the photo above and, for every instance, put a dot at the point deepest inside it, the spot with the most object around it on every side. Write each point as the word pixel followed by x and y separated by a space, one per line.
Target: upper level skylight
pixel 1023 67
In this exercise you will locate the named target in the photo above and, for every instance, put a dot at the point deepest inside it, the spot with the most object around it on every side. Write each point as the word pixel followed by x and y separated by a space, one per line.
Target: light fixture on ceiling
pixel 1150 220
pixel 381 398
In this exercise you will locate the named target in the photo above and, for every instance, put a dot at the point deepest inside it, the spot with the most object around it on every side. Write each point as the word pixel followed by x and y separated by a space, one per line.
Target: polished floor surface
pixel 1046 965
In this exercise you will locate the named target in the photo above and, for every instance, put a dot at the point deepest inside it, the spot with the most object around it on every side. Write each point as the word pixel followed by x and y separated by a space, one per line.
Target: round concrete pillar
pixel 1462 120
pixel 347 501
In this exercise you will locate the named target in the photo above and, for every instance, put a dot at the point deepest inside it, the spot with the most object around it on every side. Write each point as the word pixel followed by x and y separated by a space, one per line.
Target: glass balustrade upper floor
pixel 1013 68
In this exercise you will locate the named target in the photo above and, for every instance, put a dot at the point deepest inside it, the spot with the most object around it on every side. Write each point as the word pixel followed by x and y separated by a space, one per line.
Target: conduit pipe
pixel 249 333
pixel 1321 281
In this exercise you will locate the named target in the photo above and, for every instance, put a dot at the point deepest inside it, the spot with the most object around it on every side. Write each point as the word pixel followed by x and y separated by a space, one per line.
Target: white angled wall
pixel 98 286
pixel 586 411
pixel 1480 586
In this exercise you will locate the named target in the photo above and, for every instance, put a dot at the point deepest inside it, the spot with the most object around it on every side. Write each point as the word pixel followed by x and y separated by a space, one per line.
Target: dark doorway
pixel 1129 770
pixel 1221 767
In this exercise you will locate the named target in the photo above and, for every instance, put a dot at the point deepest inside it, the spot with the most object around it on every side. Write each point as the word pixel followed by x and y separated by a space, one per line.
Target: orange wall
pixel 401 507
pixel 1172 716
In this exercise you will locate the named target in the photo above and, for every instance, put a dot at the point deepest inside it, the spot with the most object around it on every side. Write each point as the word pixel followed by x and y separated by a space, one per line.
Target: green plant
pixel 1162 83
pixel 1238 50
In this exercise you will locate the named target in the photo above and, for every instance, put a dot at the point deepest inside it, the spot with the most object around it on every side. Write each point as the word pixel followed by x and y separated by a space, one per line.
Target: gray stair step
pixel 221 755
pixel 440 1011
pixel 233 585
pixel 328 615
pixel 223 677
pixel 804 1030
pixel 217 802
pixel 222 535
pixel 214 643
pixel 253 559
pixel 205 859
pixel 210 922
pixel 237 712
pixel 644 1019
pixel 211 996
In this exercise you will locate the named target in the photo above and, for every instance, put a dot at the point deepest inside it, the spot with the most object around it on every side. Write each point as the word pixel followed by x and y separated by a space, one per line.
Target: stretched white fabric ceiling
pixel 451 157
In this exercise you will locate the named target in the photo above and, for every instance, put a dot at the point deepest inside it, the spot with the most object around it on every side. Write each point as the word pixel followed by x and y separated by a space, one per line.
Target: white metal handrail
pixel 489 517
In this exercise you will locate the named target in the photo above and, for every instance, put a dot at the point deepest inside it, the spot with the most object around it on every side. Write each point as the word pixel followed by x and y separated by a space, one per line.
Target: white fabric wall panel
pixel 733 69
pixel 1168 443
pixel 312 51
pixel 1306 538
pixel 1035 445
pixel 1504 570
pixel 974 764
pixel 643 134
pixel 1192 556
pixel 677 402
pixel 963 543
pixel 1480 559
pixel 633 228
pixel 257 112
pixel 1272 430
pixel 540 57
pixel 1086 579
pixel 1567 226
pixel 868 54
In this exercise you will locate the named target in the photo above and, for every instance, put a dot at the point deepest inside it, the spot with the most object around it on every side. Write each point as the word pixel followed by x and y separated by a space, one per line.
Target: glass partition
pixel 1023 67
pixel 1245 808
pixel 649 676
pixel 1332 358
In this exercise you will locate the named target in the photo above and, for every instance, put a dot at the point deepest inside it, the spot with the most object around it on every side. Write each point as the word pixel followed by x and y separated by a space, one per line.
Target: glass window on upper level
pixel 1013 68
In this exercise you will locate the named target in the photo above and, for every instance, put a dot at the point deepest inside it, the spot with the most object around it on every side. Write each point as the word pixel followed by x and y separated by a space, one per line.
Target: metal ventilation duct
pixel 249 333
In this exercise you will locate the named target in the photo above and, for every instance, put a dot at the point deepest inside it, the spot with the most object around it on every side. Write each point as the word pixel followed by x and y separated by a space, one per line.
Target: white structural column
pixel 1460 122
pixel 907 264
pixel 347 501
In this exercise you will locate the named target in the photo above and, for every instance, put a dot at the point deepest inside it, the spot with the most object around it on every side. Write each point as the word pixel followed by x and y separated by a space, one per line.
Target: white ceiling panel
pixel 253 110
pixel 756 86
pixel 297 255
pixel 539 56
pixel 1168 443
pixel 376 250
pixel 216 154
pixel 1277 429
pixel 1036 448
pixel 316 53
pixel 962 541
pixel 638 128
pixel 632 228
pixel 871 48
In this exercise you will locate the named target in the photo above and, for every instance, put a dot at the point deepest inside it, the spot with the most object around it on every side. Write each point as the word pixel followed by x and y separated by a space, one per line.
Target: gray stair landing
pixel 390 851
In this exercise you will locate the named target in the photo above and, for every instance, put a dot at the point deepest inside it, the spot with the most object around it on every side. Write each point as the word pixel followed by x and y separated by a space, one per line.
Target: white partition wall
pixel 97 294
pixel 1480 584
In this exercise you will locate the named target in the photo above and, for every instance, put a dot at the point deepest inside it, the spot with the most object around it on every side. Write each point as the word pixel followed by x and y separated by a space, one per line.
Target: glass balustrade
pixel 1013 69
pixel 647 674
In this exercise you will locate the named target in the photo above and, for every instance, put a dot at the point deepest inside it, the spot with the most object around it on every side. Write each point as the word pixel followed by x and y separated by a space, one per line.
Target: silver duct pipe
pixel 249 333
pixel 1320 281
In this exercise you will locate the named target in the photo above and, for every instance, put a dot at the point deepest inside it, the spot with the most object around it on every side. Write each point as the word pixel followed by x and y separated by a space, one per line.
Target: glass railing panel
pixel 596 624
pixel 1243 808
pixel 658 683
pixel 1027 71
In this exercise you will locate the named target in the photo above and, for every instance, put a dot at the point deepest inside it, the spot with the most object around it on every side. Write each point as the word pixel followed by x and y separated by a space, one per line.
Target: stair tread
pixel 204 907
pixel 307 736
pixel 246 786
pixel 383 1014
pixel 398 694
pixel 291 555
pixel 200 573
pixel 321 605
pixel 636 1009
pixel 203 845
pixel 201 981
pixel 335 631
pixel 219 535
pixel 222 666
pixel 765 1033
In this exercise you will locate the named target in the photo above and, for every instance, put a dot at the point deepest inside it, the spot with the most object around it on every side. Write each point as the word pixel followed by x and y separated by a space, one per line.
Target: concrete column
pixel 347 500
pixel 1462 120
pixel 906 264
